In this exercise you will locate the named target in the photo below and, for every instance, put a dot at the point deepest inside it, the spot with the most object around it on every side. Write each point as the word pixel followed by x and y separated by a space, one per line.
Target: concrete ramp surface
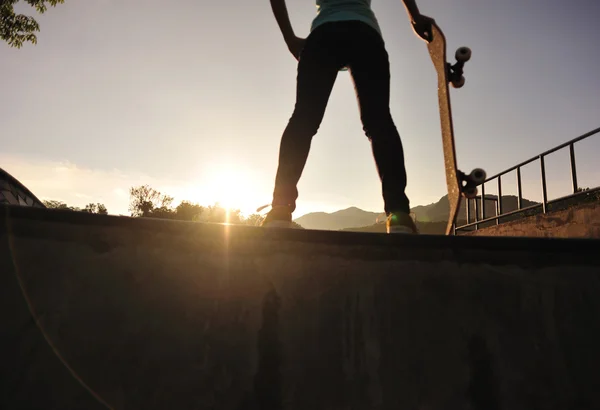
pixel 112 312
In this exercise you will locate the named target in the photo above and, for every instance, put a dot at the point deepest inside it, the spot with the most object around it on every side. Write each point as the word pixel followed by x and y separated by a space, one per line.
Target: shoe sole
pixel 279 224
pixel 400 229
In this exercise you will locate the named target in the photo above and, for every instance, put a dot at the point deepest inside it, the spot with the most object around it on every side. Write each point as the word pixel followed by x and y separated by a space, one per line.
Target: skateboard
pixel 459 184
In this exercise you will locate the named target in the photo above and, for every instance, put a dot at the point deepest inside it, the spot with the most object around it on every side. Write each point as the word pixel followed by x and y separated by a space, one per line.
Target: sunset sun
pixel 231 186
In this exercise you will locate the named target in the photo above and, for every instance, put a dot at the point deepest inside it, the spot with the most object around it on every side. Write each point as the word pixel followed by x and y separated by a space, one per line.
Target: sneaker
pixel 400 222
pixel 278 217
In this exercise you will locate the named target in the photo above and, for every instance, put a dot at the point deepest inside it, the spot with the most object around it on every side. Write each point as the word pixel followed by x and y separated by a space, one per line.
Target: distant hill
pixel 345 218
pixel 440 210
pixel 430 218
pixel 425 228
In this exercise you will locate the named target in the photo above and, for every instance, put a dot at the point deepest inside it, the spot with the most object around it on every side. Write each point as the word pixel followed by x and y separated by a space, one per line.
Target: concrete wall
pixel 152 314
pixel 581 221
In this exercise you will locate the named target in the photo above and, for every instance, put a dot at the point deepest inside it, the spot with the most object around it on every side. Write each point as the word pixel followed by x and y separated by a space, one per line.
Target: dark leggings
pixel 329 48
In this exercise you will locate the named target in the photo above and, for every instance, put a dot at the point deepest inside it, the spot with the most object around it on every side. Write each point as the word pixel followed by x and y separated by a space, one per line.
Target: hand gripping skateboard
pixel 459 183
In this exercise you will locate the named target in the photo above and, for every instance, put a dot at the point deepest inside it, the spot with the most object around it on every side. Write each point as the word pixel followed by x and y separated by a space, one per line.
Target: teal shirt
pixel 343 10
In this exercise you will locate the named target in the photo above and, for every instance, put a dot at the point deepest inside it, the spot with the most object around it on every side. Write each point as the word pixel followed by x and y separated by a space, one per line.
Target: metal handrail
pixel 545 202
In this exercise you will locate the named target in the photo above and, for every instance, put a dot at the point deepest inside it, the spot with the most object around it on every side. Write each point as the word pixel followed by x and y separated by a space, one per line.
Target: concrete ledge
pixel 580 221
pixel 146 314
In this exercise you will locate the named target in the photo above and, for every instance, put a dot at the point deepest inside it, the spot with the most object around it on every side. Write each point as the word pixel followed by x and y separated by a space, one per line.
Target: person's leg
pixel 317 71
pixel 369 67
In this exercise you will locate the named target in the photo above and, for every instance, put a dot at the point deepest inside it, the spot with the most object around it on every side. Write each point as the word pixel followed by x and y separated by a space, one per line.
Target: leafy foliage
pixel 217 214
pixel 96 209
pixel 89 208
pixel 187 211
pixel 254 220
pixel 147 202
pixel 17 29
pixel 57 205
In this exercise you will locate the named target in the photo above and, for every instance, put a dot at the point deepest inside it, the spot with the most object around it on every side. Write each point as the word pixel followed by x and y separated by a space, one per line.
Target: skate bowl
pixel 13 192
pixel 123 313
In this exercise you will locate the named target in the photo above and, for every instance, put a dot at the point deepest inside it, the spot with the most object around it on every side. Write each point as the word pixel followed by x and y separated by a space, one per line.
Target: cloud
pixel 77 186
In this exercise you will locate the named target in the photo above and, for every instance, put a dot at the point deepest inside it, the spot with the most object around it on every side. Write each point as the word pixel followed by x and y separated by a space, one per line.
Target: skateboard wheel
pixel 463 54
pixel 471 193
pixel 459 83
pixel 478 176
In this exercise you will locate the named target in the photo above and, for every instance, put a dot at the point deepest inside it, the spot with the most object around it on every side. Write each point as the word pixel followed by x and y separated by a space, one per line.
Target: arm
pixel 411 8
pixel 295 44
pixel 283 19
pixel 421 24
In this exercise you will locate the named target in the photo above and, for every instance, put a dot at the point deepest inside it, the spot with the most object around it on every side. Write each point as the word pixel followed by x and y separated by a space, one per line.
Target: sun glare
pixel 230 186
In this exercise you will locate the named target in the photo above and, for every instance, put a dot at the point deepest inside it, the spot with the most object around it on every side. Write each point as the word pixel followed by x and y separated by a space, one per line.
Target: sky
pixel 191 97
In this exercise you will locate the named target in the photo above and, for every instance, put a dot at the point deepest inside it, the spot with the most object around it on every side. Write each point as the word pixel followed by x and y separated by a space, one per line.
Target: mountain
pixel 430 218
pixel 345 218
pixel 440 210
pixel 425 228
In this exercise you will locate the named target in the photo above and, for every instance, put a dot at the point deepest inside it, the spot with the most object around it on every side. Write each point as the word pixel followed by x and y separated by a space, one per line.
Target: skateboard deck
pixel 459 184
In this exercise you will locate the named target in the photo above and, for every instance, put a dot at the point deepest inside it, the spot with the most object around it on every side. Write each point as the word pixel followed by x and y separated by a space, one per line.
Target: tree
pixel 186 211
pixel 91 208
pixel 16 29
pixel 163 212
pixel 144 200
pixel 254 220
pixel 52 204
pixel 217 214
pixel 95 209
pixel 147 202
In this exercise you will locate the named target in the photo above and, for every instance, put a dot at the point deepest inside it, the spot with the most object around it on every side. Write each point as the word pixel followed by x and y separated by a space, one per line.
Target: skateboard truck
pixel 455 71
pixel 455 75
pixel 470 182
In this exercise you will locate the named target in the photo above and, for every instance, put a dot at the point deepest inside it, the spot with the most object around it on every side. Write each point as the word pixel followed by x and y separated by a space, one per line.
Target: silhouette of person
pixel 345 35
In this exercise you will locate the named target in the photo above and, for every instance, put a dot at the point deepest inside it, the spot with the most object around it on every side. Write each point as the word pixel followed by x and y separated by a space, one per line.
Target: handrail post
pixel 468 204
pixel 573 167
pixel 544 188
pixel 519 189
pixel 482 201
pixel 476 214
pixel 499 203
